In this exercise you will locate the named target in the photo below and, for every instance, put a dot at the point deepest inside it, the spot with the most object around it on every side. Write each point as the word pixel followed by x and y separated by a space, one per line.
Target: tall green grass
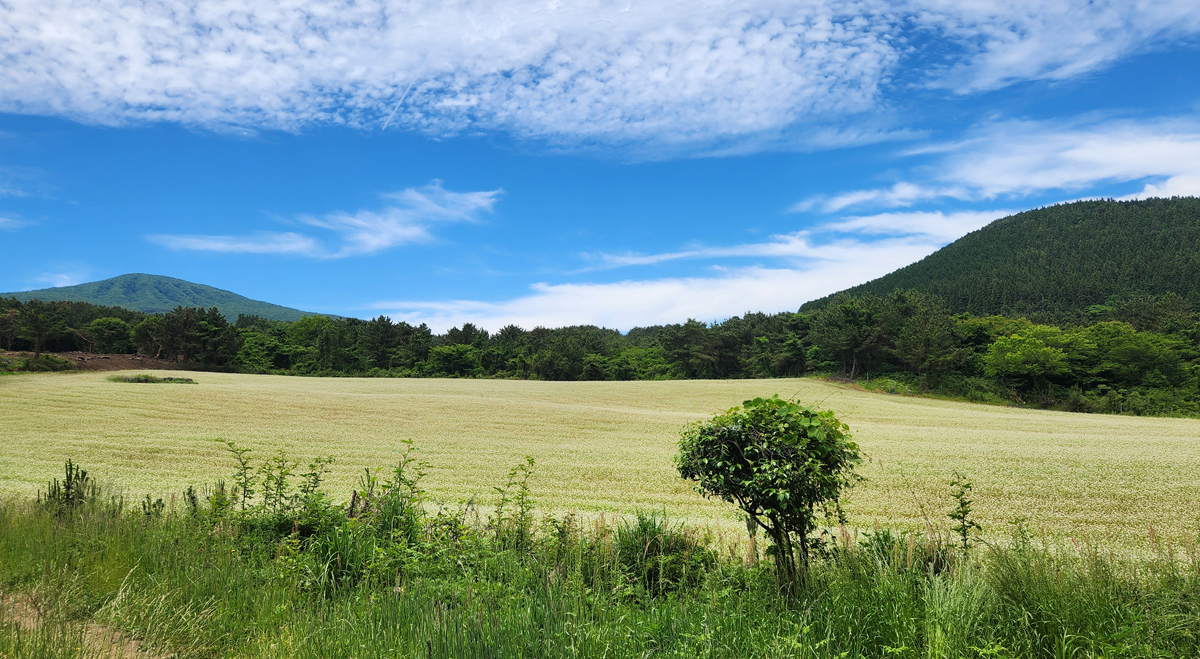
pixel 396 576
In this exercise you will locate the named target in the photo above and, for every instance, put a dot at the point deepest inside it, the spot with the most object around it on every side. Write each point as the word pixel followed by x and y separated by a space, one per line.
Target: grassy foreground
pixel 384 576
pixel 607 446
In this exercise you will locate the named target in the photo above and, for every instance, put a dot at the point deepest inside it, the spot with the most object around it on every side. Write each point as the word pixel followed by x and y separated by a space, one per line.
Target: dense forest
pixel 1138 355
pixel 1051 264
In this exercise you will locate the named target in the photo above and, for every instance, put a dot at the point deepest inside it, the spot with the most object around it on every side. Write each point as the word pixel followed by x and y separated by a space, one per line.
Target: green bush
pixel 149 379
pixel 662 557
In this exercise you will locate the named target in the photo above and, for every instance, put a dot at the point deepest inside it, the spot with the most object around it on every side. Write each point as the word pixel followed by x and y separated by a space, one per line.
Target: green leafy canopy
pixel 781 463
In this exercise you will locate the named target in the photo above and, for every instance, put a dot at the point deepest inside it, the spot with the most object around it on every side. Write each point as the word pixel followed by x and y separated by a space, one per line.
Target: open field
pixel 606 445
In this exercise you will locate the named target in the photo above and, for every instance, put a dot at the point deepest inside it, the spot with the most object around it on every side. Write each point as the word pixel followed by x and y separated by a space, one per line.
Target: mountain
pixel 156 294
pixel 1053 263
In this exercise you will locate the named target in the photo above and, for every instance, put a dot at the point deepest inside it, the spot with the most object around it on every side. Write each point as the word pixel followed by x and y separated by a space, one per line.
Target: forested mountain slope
pixel 1052 263
pixel 157 294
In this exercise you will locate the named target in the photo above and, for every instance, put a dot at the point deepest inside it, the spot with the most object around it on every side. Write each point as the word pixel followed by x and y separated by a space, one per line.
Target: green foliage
pixel 202 582
pixel 149 379
pixel 851 330
pixel 781 463
pixel 1052 264
pixel 513 523
pixel 964 524
pixel 661 557
pixel 40 322
pixel 245 479
pixel 112 335
pixel 1024 357
pixel 10 327
pixel 76 489
pixel 28 364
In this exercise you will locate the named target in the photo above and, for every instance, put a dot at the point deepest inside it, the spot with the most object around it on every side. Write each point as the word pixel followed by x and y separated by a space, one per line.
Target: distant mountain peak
pixel 157 294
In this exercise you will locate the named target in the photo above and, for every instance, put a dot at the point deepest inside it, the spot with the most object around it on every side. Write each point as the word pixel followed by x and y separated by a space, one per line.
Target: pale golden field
pixel 606 445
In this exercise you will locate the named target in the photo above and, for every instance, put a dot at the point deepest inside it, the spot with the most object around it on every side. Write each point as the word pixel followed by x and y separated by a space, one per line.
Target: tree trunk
pixel 785 558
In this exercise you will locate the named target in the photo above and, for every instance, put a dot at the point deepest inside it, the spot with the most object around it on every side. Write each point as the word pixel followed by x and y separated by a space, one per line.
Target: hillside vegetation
pixel 1051 264
pixel 156 294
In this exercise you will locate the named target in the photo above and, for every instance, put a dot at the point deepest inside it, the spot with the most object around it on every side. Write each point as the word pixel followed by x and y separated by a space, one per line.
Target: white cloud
pixel 595 69
pixel 408 219
pixel 900 194
pixel 57 279
pixel 655 71
pixel 937 226
pixel 910 231
pixel 794 246
pixel 627 304
pixel 812 269
pixel 259 243
pixel 1024 157
pixel 10 223
pixel 1014 159
pixel 1017 40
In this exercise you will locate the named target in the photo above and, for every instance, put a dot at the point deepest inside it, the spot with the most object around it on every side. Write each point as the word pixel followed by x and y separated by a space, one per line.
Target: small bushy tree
pixel 781 463
pixel 112 335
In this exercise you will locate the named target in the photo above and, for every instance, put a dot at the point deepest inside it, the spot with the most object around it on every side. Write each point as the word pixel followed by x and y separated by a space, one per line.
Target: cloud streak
pixel 1014 159
pixel 259 243
pixel 409 218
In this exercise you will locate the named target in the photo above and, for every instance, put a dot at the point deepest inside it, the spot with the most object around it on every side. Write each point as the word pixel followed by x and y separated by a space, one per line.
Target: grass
pixel 215 582
pixel 608 446
pixel 143 378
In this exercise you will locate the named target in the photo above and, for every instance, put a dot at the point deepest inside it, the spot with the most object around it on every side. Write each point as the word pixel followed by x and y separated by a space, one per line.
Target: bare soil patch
pixel 101 640
pixel 97 362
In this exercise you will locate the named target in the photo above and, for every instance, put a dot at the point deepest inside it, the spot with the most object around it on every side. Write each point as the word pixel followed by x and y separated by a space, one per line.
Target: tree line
pixel 1136 354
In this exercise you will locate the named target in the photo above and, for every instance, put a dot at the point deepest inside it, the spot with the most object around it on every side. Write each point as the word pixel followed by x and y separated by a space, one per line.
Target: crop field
pixel 607 446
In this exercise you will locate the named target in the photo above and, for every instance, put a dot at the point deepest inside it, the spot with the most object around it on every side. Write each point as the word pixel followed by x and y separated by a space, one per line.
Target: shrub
pixel 149 379
pixel 76 489
pixel 780 463
pixel 662 557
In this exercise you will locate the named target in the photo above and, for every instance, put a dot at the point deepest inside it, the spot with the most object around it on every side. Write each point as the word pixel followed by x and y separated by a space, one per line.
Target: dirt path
pixel 101 640
pixel 97 362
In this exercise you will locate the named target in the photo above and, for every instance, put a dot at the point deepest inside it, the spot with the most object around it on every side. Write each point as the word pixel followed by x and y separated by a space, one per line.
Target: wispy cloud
pixel 654 71
pixel 898 195
pixel 11 223
pixel 1014 159
pixel 1018 40
pixel 937 226
pixel 905 231
pixel 258 243
pixel 57 279
pixel 408 218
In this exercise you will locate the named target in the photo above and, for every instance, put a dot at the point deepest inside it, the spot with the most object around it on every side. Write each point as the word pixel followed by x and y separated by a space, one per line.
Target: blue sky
pixel 545 163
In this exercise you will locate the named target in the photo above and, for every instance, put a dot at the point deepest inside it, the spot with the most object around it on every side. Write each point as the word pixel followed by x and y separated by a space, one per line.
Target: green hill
pixel 156 294
pixel 1053 263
